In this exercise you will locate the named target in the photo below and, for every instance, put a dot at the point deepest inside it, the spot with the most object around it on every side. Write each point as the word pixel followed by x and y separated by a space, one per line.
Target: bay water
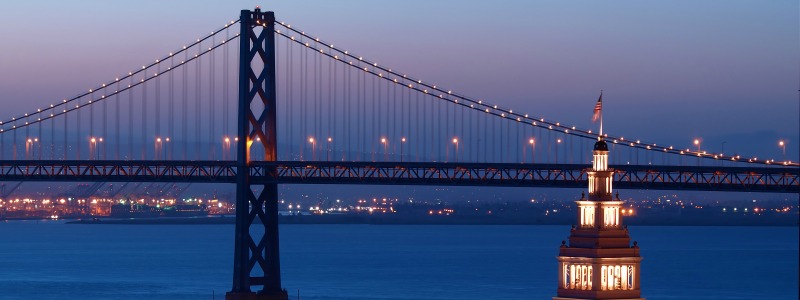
pixel 54 260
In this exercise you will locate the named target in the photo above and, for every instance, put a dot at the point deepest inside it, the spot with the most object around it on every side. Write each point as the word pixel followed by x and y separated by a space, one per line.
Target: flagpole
pixel 601 116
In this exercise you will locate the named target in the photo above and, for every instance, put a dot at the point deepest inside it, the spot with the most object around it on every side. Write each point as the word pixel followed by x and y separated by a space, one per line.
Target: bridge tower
pixel 255 260
pixel 599 262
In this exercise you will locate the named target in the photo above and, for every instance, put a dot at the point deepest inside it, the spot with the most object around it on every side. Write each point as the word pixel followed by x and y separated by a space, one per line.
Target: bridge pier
pixel 256 260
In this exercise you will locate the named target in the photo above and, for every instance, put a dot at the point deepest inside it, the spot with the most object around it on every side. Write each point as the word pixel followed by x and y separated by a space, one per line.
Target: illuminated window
pixel 577 276
pixel 617 277
pixel 611 216
pixel 587 216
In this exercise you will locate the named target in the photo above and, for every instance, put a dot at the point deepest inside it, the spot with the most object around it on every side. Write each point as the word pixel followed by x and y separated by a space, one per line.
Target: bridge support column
pixel 255 260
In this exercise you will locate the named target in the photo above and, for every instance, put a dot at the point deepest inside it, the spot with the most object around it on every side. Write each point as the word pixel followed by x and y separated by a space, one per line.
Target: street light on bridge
pixel 313 148
pixel 94 151
pixel 385 147
pixel 29 147
pixel 39 145
pixel 697 143
pixel 402 141
pixel 532 142
pixel 782 144
pixel 328 153
pixel 558 142
pixel 227 152
pixel 157 145
pixel 455 141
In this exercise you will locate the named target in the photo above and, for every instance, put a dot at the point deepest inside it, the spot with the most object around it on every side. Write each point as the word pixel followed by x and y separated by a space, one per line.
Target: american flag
pixel 597 108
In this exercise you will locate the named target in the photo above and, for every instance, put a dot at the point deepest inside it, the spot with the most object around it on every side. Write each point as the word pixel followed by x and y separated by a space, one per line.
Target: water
pixel 52 260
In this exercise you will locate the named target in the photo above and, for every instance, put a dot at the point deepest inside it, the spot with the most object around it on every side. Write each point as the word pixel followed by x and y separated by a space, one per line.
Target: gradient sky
pixel 725 71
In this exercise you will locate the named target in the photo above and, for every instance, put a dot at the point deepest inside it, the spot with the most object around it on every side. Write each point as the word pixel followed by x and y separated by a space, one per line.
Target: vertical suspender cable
pixel 117 137
pixel 225 95
pixel 507 143
pixel 292 116
pixel 462 132
pixel 375 96
pixel 386 131
pixel 212 117
pixel 185 107
pixel 91 124
pixel 38 144
pixel 494 135
pixel 517 151
pixel 287 91
pixel 52 136
pixel 304 96
pixel 443 131
pixel 105 124
pixel 407 114
pixel 15 142
pixel 316 75
pixel 319 88
pixel 171 119
pixel 434 127
pixel 363 91
pixel 417 121
pixel 334 76
pixel 379 124
pixel 361 111
pixel 27 137
pixel 290 95
pixel 330 108
pixel 197 104
pixel 349 99
pixel 130 120
pixel 469 131
pixel 157 109
pixel 144 116
pixel 403 121
pixel 484 127
pixel 78 133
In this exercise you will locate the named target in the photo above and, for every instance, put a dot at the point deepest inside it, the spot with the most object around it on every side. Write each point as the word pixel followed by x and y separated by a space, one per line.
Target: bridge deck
pixel 764 179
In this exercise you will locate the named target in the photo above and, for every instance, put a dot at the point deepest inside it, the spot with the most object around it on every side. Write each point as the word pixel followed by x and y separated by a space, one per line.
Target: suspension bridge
pixel 304 111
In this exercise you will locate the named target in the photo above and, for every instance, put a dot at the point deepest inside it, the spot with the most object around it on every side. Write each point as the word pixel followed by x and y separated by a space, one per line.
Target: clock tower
pixel 599 261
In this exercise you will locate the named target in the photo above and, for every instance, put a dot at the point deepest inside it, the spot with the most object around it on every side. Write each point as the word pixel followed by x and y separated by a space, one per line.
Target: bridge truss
pixel 765 179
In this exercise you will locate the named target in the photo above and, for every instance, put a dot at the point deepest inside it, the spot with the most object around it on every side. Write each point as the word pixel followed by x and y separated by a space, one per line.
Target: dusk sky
pixel 724 71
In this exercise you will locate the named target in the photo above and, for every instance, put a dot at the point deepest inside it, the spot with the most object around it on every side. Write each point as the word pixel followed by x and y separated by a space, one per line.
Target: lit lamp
pixel 385 146
pixel 455 141
pixel 313 148
pixel 533 143
pixel 402 141
pixel 328 153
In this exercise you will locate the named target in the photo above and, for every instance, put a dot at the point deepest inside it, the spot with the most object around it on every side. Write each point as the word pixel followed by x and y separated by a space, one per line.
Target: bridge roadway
pixel 702 178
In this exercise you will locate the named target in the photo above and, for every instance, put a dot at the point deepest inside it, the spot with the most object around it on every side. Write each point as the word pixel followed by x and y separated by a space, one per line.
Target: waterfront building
pixel 599 261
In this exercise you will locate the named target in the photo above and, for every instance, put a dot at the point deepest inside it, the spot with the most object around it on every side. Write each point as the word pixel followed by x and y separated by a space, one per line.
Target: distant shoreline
pixel 371 220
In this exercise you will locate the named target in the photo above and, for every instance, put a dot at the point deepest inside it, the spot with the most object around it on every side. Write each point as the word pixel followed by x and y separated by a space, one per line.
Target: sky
pixel 727 72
